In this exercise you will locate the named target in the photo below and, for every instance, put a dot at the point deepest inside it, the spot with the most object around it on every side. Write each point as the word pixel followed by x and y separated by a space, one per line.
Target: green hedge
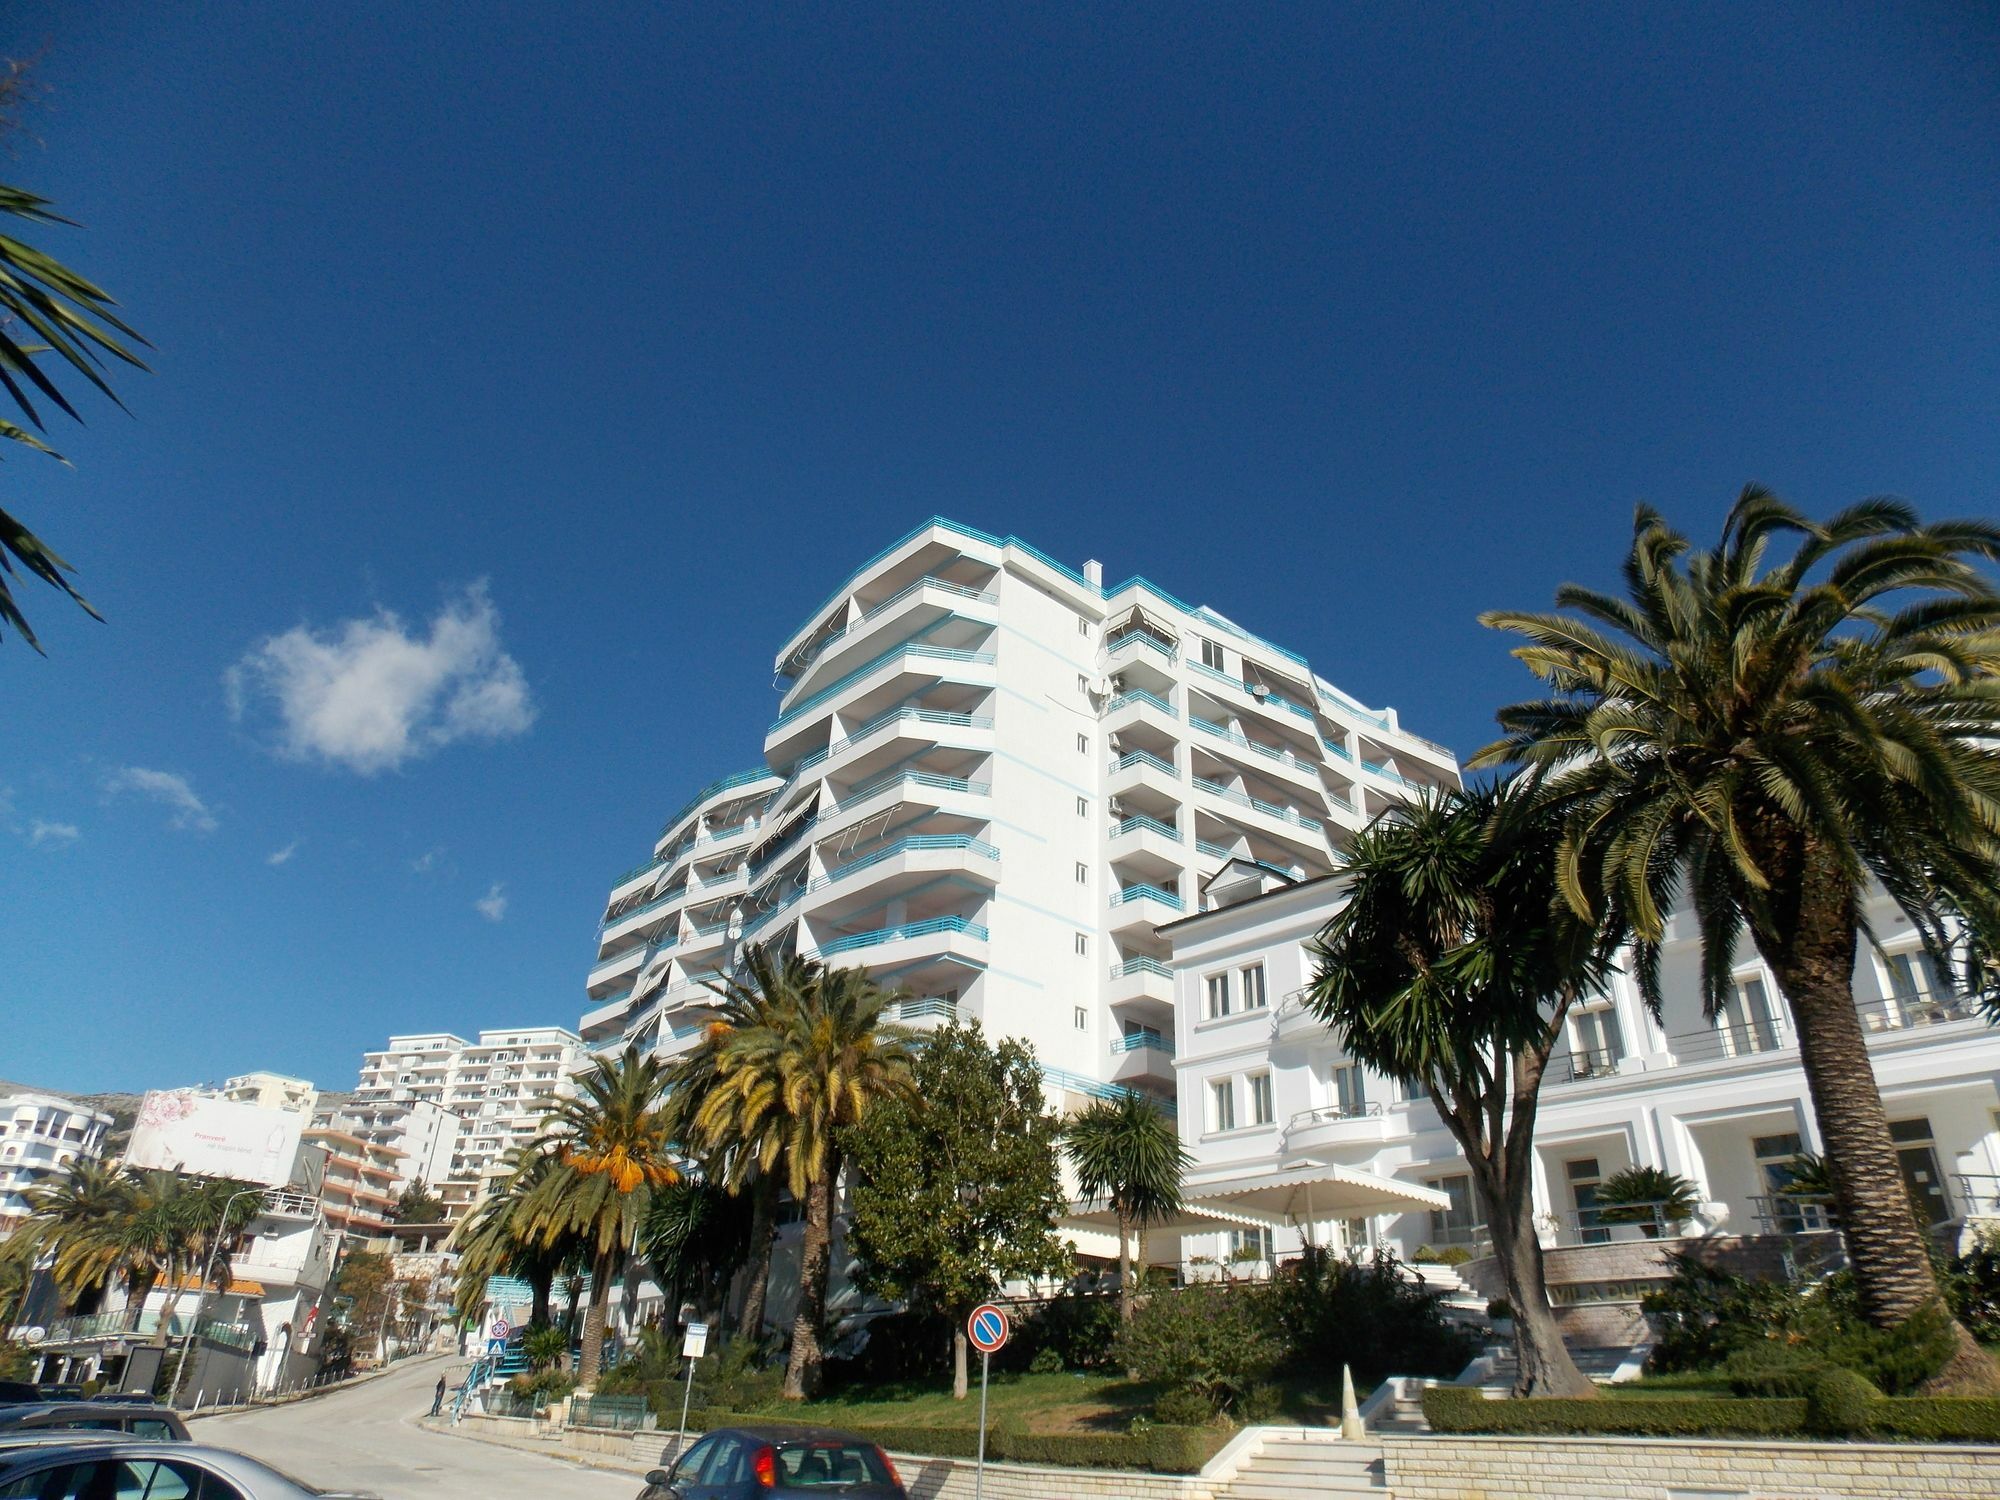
pixel 1929 1419
pixel 1462 1409
pixel 1168 1450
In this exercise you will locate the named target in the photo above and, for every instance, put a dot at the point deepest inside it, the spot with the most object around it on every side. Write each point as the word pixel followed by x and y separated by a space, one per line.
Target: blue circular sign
pixel 987 1328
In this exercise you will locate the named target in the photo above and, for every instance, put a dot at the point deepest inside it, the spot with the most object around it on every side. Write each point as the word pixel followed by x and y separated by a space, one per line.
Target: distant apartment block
pixel 40 1135
pixel 272 1091
pixel 360 1182
pixel 988 779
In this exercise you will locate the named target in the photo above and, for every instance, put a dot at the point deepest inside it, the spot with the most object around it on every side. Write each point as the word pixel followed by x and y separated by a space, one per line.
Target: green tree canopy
pixel 957 1187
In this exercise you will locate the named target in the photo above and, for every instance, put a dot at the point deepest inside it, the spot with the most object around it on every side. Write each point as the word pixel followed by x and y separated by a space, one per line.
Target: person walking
pixel 437 1401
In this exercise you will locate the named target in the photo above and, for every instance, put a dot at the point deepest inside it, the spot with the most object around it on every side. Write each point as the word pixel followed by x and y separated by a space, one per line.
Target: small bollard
pixel 1350 1414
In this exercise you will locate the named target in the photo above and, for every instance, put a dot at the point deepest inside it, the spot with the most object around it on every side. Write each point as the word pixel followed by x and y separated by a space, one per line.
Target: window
pixel 1583 1178
pixel 1251 1244
pixel 1415 1089
pixel 1454 1224
pixel 1082 873
pixel 1921 1177
pixel 1211 654
pixel 1082 684
pixel 1222 1105
pixel 1083 744
pixel 1082 944
pixel 1082 626
pixel 1082 1019
pixel 1260 1099
pixel 1218 996
pixel 1777 1163
pixel 1599 1042
pixel 1253 987
pixel 1349 1089
pixel 1749 1023
pixel 1083 807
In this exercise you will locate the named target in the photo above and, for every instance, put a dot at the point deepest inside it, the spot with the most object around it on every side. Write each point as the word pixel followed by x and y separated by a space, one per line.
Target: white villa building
pixel 989 778
pixel 1267 1097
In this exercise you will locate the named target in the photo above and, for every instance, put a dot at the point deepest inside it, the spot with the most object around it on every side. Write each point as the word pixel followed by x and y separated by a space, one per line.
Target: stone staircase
pixel 1287 1467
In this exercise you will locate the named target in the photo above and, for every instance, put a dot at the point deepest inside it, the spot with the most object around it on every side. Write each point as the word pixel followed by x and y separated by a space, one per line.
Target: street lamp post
pixel 201 1298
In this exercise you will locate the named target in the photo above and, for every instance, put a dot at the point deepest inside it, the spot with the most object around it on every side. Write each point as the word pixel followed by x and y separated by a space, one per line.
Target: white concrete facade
pixel 1266 1089
pixel 40 1135
pixel 989 779
pixel 272 1091
pixel 454 1107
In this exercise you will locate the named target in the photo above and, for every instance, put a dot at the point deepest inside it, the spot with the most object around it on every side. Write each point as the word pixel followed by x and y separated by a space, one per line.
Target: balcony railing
pixel 1134 638
pixel 1910 1012
pixel 1741 1040
pixel 918 650
pixel 904 715
pixel 1141 966
pixel 1127 894
pixel 132 1322
pixel 726 783
pixel 1141 1041
pixel 1783 1213
pixel 928 1007
pixel 881 935
pixel 644 867
pixel 1978 1195
pixel 1363 1109
pixel 978 848
pixel 1270 809
pixel 1150 825
pixel 1209 846
pixel 1255 691
pixel 806 656
pixel 1574 1067
pixel 1609 1222
pixel 1139 695
pixel 1144 758
pixel 913 778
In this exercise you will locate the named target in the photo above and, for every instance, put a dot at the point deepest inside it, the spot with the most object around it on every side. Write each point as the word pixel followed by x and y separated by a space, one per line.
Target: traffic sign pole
pixel 987 1329
pixel 979 1473
pixel 694 1343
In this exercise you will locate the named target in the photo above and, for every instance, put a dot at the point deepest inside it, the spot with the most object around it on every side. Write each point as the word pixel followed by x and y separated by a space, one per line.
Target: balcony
pixel 1142 1056
pixel 1146 846
pixel 1147 781
pixel 732 783
pixel 1334 1126
pixel 1144 981
pixel 1273 759
pixel 616 967
pixel 928 725
pixel 1144 907
pixel 913 656
pixel 945 930
pixel 1580 1066
pixel 1619 1224
pixel 1295 829
pixel 925 601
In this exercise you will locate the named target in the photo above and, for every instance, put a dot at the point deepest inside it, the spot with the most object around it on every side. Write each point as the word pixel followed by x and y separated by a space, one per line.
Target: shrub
pixel 1937 1419
pixel 1080 1327
pixel 740 1380
pixel 1261 1402
pixel 1447 1255
pixel 1838 1403
pixel 1767 1368
pixel 1180 1450
pixel 1972 1286
pixel 1184 1407
pixel 1460 1409
pixel 1499 1308
pixel 1372 1313
pixel 546 1346
pixel 542 1387
pixel 1646 1196
pixel 1212 1338
pixel 1045 1362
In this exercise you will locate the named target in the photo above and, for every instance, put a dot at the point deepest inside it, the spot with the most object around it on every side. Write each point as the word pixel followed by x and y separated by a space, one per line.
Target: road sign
pixel 499 1330
pixel 987 1328
pixel 694 1342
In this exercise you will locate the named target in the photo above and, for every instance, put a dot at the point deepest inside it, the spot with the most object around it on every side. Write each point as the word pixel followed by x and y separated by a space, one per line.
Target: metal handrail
pixel 1141 1041
pixel 1367 1109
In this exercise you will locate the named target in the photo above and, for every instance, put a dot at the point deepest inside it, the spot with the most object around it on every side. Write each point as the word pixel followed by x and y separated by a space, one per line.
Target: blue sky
pixel 593 344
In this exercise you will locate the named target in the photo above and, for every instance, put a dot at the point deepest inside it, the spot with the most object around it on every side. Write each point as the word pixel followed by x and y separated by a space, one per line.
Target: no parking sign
pixel 987 1328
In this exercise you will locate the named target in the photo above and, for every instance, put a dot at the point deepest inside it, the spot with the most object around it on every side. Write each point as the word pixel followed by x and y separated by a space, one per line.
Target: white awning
pixel 1293 1196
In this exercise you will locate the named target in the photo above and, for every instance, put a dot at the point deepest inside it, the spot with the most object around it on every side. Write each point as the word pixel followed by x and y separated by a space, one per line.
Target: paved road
pixel 367 1439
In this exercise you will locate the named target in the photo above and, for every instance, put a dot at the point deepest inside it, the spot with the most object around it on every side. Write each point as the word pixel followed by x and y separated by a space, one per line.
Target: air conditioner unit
pixel 1117 808
pixel 1117 745
pixel 1118 682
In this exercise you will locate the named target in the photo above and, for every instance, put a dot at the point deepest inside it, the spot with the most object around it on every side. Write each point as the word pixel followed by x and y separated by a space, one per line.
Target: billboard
pixel 180 1130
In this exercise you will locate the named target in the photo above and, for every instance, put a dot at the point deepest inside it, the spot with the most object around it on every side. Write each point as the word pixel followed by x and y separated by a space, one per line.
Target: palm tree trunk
pixel 802 1370
pixel 1124 1265
pixel 1893 1277
pixel 539 1286
pixel 594 1318
pixel 757 1270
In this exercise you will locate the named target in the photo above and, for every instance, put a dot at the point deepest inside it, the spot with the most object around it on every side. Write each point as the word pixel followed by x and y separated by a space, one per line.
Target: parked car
pixel 20 1390
pixel 777 1463
pixel 103 1464
pixel 141 1419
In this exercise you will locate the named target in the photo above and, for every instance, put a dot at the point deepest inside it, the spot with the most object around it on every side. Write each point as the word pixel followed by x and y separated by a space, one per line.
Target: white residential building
pixel 1289 1135
pixel 40 1135
pixel 272 1091
pixel 988 780
pixel 494 1090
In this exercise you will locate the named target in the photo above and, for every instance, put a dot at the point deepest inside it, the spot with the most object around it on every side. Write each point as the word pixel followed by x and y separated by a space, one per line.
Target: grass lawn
pixel 1039 1403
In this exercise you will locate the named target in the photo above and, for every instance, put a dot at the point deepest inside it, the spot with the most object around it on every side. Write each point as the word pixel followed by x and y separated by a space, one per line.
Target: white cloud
pixel 282 856
pixel 426 862
pixel 369 695
pixel 190 812
pixel 41 831
pixel 492 905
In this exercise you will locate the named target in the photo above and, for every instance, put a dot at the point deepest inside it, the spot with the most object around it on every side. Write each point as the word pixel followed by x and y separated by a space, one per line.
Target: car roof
pixel 259 1478
pixel 779 1436
pixel 57 1437
pixel 23 1411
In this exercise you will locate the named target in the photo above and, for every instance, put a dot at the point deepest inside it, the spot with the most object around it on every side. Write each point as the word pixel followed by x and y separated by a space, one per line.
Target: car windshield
pixel 830 1462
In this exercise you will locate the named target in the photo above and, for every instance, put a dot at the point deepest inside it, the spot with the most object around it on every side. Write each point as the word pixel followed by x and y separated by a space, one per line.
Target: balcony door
pixel 1584 1176
pixel 1917 1153
pixel 1750 1019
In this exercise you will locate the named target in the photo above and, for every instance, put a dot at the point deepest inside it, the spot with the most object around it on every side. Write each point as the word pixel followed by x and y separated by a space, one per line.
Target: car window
pixel 731 1464
pixel 153 1427
pixel 804 1465
pixel 148 1479
pixel 688 1470
pixel 60 1482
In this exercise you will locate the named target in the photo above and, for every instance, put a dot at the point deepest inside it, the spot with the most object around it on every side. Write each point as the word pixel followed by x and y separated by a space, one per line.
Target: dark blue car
pixel 778 1463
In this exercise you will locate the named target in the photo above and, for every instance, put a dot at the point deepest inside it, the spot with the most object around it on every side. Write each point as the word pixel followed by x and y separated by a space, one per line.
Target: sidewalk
pixel 623 1453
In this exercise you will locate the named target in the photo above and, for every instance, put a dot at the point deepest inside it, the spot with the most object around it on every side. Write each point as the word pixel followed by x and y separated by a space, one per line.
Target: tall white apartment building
pixel 989 778
pixel 1293 1140
pixel 495 1089
pixel 272 1091
pixel 40 1135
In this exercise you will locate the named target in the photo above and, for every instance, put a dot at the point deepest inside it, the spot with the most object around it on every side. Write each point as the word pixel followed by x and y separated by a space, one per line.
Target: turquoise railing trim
pixel 645 867
pixel 1206 616
pixel 640 911
pixel 882 935
pixel 1130 893
pixel 1140 638
pixel 1141 1041
pixel 1241 799
pixel 921 650
pixel 978 847
pixel 1140 695
pixel 1141 966
pixel 1143 758
pixel 916 778
pixel 1141 821
pixel 1209 846
pixel 726 783
pixel 1386 773
pixel 793 667
pixel 1270 698
pixel 894 715
pixel 1076 1083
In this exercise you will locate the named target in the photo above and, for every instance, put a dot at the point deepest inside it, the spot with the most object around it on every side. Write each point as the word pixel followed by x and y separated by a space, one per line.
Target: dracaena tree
pixel 1757 731
pixel 1453 960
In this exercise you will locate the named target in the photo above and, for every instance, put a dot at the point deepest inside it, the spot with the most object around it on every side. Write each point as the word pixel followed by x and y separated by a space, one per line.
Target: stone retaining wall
pixel 1524 1468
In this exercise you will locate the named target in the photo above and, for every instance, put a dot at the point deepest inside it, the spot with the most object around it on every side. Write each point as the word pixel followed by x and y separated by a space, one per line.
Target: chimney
pixel 1093 573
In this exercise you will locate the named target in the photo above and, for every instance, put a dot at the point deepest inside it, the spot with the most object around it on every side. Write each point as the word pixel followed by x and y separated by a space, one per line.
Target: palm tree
pixel 45 308
pixel 1651 1197
pixel 497 1238
pixel 1762 739
pixel 612 1147
pixel 74 1220
pixel 1454 961
pixel 744 1163
pixel 1126 1150
pixel 791 1083
pixel 696 1233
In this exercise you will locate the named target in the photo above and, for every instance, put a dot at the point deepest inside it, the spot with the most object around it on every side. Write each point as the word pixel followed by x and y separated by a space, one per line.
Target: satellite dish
pixel 1259 691
pixel 34 1335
